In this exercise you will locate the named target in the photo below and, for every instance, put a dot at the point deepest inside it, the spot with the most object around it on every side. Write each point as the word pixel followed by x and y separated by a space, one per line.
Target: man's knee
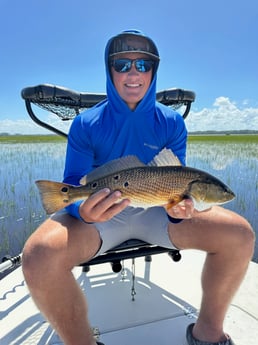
pixel 239 238
pixel 246 237
pixel 43 251
pixel 36 257
pixel 57 246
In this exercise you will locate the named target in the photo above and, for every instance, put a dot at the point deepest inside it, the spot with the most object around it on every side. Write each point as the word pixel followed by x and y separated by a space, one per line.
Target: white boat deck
pixel 167 299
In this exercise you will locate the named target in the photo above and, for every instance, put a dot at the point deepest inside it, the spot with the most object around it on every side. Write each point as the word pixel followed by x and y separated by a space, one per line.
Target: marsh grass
pixel 236 164
pixel 222 138
pixel 31 138
pixel 20 206
pixel 232 159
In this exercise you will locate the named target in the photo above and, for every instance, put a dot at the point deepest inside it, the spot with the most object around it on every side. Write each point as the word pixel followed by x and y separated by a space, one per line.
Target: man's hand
pixel 183 210
pixel 102 206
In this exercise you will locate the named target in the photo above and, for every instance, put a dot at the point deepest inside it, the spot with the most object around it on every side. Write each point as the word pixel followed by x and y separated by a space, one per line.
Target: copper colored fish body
pixel 144 185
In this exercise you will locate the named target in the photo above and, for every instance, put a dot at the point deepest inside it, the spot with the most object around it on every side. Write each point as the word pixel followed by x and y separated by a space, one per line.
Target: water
pixel 21 211
pixel 20 206
pixel 237 166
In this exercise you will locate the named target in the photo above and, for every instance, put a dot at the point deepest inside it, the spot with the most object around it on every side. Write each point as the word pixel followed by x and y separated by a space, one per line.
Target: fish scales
pixel 147 185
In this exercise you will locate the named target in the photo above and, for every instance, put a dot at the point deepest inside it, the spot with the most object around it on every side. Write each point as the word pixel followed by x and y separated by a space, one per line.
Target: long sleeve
pixel 79 158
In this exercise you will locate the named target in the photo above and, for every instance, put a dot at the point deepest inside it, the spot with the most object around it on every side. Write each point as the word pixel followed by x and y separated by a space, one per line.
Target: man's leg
pixel 48 258
pixel 229 242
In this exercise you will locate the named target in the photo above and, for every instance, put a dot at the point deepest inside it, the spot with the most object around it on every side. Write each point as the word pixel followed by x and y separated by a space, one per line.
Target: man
pixel 130 122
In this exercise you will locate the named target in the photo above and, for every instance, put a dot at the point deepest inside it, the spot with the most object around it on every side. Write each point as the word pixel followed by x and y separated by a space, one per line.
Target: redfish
pixel 163 182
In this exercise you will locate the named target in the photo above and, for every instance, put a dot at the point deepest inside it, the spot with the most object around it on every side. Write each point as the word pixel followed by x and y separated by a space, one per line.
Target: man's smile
pixel 133 85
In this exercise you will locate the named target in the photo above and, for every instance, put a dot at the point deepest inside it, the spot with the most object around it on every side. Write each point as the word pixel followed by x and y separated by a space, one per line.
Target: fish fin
pixel 54 195
pixel 172 202
pixel 83 180
pixel 165 158
pixel 112 167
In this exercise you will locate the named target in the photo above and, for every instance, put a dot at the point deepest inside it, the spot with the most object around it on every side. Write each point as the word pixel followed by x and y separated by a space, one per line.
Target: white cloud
pixel 223 115
pixel 22 126
pixel 18 126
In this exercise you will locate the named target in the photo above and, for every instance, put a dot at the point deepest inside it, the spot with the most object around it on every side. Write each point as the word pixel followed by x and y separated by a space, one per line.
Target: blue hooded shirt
pixel 111 130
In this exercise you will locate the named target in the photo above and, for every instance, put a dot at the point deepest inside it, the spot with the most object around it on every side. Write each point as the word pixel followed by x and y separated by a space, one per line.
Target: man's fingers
pixel 189 208
pixel 102 206
pixel 115 209
pixel 95 198
pixel 184 209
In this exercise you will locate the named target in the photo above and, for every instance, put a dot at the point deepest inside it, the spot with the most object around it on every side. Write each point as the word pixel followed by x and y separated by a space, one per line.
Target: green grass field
pixel 241 138
pixel 233 138
pixel 31 138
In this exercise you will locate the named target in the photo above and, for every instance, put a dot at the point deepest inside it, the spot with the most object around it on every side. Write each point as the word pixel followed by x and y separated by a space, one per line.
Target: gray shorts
pixel 149 225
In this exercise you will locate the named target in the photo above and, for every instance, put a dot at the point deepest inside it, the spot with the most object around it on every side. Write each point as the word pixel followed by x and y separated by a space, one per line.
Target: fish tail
pixel 54 195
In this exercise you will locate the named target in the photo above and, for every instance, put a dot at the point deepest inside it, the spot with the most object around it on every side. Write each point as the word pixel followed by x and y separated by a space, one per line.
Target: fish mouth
pixel 228 194
pixel 231 194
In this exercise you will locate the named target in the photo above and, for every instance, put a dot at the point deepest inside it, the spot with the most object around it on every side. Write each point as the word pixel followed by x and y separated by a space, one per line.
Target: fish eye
pixel 126 184
pixel 65 190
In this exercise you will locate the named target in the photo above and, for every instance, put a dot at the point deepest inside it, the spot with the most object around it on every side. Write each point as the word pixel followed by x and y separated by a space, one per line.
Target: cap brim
pixel 136 51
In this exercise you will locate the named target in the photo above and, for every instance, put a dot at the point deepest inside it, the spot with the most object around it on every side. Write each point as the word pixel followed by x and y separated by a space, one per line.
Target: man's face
pixel 131 85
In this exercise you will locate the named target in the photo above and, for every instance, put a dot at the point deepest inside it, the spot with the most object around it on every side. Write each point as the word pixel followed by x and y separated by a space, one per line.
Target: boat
pixel 143 297
pixel 148 302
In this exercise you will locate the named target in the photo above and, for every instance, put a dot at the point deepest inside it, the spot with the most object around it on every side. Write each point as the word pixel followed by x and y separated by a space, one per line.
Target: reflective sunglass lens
pixel 124 65
pixel 142 65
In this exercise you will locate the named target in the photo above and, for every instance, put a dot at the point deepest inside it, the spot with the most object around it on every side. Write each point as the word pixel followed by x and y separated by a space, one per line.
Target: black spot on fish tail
pixel 94 185
pixel 54 195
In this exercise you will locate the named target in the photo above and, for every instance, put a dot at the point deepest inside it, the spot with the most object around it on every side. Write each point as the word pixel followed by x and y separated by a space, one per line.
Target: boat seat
pixel 130 249
pixel 67 104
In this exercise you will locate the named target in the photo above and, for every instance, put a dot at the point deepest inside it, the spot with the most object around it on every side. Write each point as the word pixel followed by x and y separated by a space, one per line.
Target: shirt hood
pixel 116 103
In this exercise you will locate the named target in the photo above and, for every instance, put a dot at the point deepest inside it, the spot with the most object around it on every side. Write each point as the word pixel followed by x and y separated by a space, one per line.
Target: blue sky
pixel 209 47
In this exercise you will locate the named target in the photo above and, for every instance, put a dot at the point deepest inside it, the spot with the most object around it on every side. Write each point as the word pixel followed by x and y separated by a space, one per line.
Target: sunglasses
pixel 125 65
